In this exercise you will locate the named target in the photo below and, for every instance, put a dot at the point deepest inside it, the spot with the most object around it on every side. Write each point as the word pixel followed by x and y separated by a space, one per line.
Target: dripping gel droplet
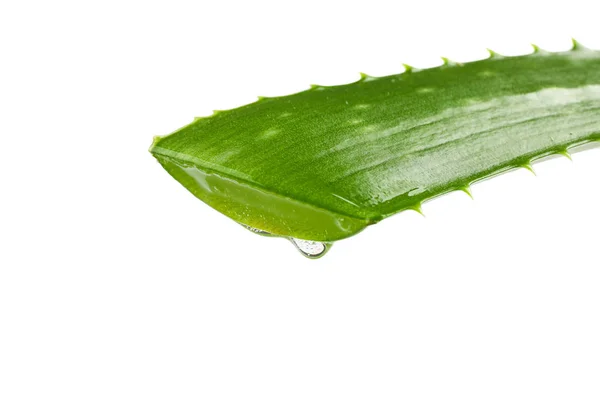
pixel 308 248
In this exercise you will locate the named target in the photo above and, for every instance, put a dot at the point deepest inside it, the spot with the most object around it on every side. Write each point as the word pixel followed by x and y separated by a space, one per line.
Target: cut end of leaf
pixel 259 208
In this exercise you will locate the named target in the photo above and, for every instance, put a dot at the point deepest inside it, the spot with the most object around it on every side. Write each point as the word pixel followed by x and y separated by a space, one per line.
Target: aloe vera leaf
pixel 325 163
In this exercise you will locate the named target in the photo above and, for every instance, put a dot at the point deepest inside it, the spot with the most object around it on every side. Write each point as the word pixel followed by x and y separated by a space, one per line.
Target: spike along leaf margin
pixel 323 164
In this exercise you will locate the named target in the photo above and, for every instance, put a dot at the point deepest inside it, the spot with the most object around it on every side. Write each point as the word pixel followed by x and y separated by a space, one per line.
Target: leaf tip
pixel 155 141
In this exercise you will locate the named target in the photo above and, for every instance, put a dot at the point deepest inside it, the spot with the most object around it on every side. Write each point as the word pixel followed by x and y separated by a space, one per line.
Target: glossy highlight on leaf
pixel 323 164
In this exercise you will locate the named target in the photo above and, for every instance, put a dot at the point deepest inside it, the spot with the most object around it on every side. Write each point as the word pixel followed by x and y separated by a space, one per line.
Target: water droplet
pixel 311 249
pixel 308 248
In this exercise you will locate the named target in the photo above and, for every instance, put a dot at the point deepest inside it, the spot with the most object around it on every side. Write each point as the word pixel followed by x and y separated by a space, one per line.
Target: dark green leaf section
pixel 324 163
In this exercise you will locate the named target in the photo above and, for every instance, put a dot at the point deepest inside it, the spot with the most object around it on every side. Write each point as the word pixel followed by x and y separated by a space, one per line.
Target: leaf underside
pixel 325 163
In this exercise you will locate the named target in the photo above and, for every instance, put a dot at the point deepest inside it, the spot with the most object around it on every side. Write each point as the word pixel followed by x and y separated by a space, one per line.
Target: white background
pixel 116 283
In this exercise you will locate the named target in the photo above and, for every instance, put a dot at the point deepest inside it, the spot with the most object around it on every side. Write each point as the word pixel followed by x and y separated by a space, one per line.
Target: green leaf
pixel 325 163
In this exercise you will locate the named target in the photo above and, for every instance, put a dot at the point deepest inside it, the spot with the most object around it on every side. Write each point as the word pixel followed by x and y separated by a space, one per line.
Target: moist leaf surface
pixel 325 163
